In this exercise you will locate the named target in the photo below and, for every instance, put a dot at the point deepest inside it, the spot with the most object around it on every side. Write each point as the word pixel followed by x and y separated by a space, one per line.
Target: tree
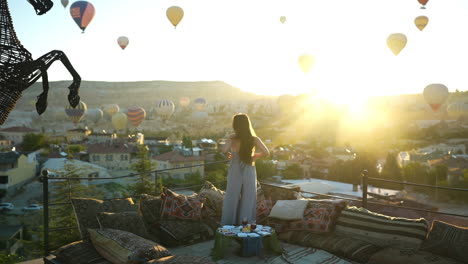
pixel 73 149
pixel 391 171
pixel 61 216
pixel 265 169
pixel 143 183
pixel 187 142
pixel 33 142
pixel 293 171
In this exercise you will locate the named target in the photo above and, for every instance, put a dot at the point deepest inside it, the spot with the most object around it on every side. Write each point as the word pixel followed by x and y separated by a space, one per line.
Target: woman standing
pixel 240 201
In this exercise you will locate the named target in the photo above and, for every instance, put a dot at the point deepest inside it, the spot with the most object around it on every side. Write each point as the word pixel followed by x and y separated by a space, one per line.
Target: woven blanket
pixel 307 256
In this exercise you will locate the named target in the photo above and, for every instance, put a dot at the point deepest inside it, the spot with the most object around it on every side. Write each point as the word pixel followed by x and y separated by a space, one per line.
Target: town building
pixel 77 135
pixel 16 134
pixel 115 155
pixel 16 169
pixel 101 137
pixel 178 159
pixel 11 237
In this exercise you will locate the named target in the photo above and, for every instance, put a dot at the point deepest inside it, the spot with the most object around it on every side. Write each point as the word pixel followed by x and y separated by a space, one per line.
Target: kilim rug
pixel 307 256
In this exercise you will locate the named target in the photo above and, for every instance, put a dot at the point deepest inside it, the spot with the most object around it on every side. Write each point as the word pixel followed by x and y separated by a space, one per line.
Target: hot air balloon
pixel 82 12
pixel 423 3
pixel 306 62
pixel 111 109
pixel 64 3
pixel 122 41
pixel 200 104
pixel 184 102
pixel 396 42
pixel 435 95
pixel 165 108
pixel 175 15
pixel 77 113
pixel 94 115
pixel 457 108
pixel 282 19
pixel 119 121
pixel 136 115
pixel 421 22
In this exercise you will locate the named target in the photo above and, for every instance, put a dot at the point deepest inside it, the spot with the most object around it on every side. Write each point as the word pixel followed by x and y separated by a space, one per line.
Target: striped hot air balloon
pixel 77 113
pixel 136 115
pixel 165 109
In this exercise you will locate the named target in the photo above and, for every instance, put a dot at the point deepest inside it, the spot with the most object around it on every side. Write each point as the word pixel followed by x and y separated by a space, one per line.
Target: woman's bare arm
pixel 260 146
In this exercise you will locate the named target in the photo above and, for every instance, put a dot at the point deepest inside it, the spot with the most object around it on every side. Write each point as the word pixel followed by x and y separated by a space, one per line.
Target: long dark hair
pixel 244 133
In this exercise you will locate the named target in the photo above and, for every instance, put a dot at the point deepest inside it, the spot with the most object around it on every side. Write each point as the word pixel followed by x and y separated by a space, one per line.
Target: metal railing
pixel 364 200
pixel 45 189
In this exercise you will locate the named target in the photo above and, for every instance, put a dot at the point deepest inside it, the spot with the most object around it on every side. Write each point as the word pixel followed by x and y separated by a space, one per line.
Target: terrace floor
pixel 203 249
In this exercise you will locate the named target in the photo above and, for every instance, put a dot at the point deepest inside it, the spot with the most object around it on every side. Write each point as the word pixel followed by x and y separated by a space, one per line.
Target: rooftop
pixel 19 129
pixel 176 156
pixel 107 148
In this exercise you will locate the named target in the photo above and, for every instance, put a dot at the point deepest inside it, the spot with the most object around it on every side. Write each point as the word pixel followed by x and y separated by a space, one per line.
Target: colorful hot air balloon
pixel 435 95
pixel 421 22
pixel 123 42
pixel 306 62
pixel 396 42
pixel 119 121
pixel 77 113
pixel 64 3
pixel 165 109
pixel 94 115
pixel 136 115
pixel 423 3
pixel 184 102
pixel 82 12
pixel 282 19
pixel 200 104
pixel 175 15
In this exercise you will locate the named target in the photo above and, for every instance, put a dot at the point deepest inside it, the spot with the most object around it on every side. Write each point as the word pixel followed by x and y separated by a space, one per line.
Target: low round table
pixel 268 242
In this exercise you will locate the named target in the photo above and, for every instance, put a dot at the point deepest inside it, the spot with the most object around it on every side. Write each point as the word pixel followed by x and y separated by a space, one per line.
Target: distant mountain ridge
pixel 142 93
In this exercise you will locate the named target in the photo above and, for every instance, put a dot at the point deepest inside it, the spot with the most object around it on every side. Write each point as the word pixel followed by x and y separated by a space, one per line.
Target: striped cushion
pixel 447 240
pixel 381 230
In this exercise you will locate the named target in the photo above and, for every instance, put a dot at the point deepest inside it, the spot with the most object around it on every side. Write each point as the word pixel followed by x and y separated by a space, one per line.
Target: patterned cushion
pixel 179 232
pixel 126 221
pixel 150 208
pixel 280 193
pixel 381 230
pixel 79 252
pixel 341 246
pixel 182 260
pixel 178 206
pixel 264 205
pixel 447 240
pixel 124 247
pixel 214 197
pixel 320 217
pixel 394 255
pixel 86 211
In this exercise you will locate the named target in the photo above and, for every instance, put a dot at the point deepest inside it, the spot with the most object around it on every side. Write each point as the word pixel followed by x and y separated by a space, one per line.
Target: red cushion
pixel 178 206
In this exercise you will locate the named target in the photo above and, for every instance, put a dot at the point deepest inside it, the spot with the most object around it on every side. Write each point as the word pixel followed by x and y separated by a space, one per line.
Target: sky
pixel 244 44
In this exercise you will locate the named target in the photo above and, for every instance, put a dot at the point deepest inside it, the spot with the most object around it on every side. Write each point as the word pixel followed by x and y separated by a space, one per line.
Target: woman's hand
pixel 256 156
pixel 228 155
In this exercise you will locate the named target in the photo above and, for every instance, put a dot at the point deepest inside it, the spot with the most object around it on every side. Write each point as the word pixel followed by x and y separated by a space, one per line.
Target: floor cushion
pixel 307 256
pixel 264 206
pixel 182 260
pixel 381 230
pixel 182 207
pixel 126 221
pixel 345 247
pixel 87 209
pixel 79 252
pixel 447 240
pixel 320 216
pixel 214 197
pixel 150 208
pixel 395 255
pixel 119 246
pixel 179 232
